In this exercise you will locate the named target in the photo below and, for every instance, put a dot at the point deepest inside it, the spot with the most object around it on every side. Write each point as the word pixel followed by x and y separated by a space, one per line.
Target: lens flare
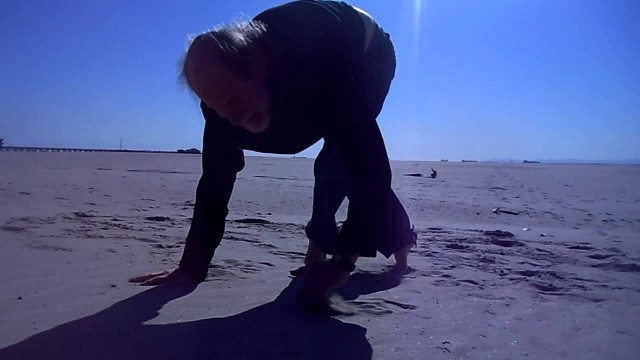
pixel 413 140
pixel 416 25
pixel 414 57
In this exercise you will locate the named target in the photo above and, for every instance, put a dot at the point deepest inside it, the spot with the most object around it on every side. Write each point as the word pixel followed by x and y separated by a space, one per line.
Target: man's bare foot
pixel 314 256
pixel 320 280
pixel 401 257
pixel 176 277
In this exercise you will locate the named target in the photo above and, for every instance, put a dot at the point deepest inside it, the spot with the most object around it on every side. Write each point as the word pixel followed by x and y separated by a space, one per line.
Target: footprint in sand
pixel 265 245
pixel 11 228
pixel 498 233
pixel 294 256
pixel 539 273
pixel 506 243
pixel 546 287
pixel 580 247
pixel 225 269
pixel 629 267
pixel 246 267
pixel 41 246
pixel 601 256
pixel 375 306
pixel 456 246
pixel 242 238
pixel 146 240
pixel 469 281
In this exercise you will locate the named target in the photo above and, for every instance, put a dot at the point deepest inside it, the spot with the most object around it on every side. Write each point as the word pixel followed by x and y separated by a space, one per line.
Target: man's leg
pixel 404 238
pixel 330 189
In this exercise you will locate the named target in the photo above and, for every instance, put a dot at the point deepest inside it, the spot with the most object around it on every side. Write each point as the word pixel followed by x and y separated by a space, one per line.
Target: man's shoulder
pixel 305 9
pixel 308 29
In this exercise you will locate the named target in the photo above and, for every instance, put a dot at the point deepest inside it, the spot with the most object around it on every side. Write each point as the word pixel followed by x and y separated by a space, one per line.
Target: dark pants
pixel 332 183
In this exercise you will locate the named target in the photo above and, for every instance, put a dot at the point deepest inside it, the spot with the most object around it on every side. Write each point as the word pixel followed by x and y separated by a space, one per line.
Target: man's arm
pixel 222 159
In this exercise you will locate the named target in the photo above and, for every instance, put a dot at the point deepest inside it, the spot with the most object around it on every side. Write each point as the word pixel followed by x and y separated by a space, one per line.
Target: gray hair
pixel 237 42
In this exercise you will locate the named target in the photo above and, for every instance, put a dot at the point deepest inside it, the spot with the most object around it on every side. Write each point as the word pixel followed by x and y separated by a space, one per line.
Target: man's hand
pixel 176 277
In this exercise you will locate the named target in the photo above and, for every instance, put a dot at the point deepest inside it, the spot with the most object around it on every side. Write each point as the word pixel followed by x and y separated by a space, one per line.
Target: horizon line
pixel 628 161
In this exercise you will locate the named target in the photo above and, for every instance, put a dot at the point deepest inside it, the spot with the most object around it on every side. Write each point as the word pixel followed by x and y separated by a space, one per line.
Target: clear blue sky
pixel 523 79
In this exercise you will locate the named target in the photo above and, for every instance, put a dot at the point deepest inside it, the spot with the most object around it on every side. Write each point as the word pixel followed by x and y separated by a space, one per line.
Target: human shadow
pixel 363 283
pixel 275 330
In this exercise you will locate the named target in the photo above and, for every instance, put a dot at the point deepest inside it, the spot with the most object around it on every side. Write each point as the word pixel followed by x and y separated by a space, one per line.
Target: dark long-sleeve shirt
pixel 320 89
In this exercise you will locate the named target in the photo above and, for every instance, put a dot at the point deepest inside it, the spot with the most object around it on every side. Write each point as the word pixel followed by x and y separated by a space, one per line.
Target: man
pixel 295 74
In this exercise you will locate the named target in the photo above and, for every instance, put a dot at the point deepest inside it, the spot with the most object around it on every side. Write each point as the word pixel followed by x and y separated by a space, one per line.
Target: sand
pixel 559 280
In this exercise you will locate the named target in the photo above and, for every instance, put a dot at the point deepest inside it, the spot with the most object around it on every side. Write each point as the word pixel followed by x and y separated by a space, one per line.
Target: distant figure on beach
pixel 434 174
pixel 295 74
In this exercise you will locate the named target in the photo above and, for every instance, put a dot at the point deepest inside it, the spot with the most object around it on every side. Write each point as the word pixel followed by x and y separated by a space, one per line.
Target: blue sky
pixel 526 79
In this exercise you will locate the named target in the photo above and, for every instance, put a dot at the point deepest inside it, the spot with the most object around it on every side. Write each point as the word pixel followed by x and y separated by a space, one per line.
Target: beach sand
pixel 559 280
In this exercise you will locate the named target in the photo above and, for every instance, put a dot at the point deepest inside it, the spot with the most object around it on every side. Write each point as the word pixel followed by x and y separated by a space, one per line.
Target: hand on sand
pixel 175 277
pixel 319 281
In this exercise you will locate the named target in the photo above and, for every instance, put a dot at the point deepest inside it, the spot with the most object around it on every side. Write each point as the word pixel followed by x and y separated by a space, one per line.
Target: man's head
pixel 227 69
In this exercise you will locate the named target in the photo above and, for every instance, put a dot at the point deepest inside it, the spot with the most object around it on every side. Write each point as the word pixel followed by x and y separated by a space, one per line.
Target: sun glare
pixel 414 55
pixel 416 24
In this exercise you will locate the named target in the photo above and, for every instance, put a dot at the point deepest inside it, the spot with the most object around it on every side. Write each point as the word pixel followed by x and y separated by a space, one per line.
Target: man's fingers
pixel 143 278
pixel 175 277
pixel 161 279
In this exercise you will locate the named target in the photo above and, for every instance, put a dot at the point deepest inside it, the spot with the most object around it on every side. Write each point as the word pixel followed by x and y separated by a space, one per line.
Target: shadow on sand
pixel 276 330
pixel 363 283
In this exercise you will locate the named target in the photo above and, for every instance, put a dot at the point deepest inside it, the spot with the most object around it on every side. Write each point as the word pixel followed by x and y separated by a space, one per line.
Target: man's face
pixel 242 102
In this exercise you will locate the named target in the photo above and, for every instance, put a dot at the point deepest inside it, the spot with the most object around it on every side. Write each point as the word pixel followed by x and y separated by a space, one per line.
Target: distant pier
pixel 53 149
pixel 56 149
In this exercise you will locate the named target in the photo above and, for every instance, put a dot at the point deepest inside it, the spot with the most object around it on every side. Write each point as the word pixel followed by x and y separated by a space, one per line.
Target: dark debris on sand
pixel 498 233
pixel 252 221
pixel 157 218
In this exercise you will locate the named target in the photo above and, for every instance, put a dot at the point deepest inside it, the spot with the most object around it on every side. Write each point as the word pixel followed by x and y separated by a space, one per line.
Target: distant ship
pixel 444 160
pixel 463 160
pixel 531 162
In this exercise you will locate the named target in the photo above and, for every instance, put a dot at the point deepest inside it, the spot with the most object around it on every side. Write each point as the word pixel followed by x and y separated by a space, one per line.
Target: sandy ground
pixel 75 226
